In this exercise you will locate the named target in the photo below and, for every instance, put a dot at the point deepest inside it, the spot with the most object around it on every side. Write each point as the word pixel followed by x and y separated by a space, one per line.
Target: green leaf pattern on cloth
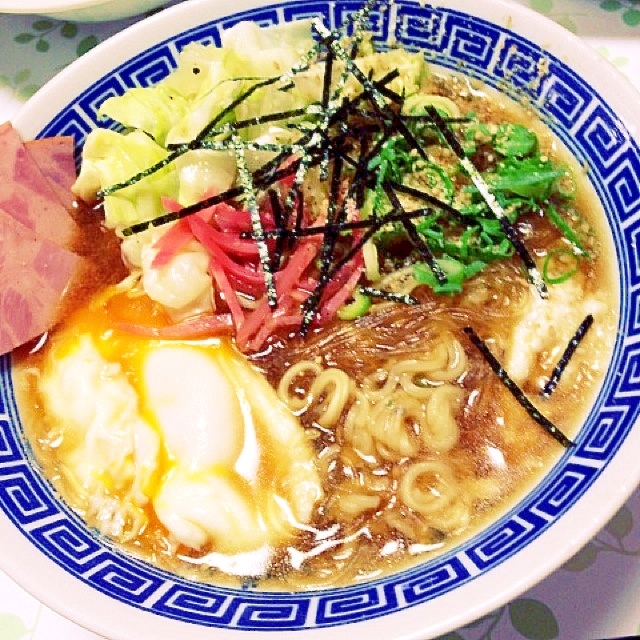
pixel 533 619
pixel 548 8
pixel 524 618
pixel 43 30
pixel 12 627
pixel 611 539
pixel 20 84
pixel 630 10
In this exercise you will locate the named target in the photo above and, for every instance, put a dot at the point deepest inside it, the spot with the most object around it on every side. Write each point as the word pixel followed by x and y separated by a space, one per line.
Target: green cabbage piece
pixel 110 158
pixel 178 108
pixel 154 110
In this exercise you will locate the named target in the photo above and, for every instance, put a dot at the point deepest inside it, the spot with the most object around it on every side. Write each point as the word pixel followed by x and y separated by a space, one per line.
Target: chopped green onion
pixel 417 104
pixel 475 134
pixel 566 186
pixel 552 213
pixel 557 269
pixel 455 270
pixel 356 308
pixel 436 180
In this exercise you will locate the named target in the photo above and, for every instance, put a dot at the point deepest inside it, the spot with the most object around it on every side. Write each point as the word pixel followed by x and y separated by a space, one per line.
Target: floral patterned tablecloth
pixel 596 594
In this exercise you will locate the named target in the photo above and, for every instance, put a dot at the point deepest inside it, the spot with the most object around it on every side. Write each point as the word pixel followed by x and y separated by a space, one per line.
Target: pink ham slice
pixel 55 159
pixel 34 274
pixel 25 192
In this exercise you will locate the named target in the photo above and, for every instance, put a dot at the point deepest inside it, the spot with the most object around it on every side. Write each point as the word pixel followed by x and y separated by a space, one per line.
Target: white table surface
pixel 596 595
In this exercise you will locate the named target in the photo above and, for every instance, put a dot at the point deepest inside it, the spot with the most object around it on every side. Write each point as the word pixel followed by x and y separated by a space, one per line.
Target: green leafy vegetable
pixel 514 140
pixel 456 271
pixel 530 177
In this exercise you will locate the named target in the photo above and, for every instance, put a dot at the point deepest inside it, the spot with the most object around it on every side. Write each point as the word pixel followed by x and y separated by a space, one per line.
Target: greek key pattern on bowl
pixel 588 127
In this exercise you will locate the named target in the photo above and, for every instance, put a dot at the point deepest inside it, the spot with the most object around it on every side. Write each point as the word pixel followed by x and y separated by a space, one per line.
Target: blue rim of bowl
pixel 586 125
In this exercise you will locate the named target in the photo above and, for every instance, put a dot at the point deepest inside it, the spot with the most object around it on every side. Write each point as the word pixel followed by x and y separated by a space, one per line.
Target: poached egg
pixel 184 433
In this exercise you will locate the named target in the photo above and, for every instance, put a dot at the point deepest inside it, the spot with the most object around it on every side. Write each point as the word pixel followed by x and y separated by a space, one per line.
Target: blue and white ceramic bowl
pixel 49 550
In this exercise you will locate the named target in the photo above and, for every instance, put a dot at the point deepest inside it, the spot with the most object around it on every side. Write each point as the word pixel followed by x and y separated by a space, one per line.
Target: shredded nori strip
pixel 515 390
pixel 206 131
pixel 265 176
pixel 329 39
pixel 427 197
pixel 322 141
pixel 573 344
pixel 340 227
pixel 391 296
pixel 415 237
pixel 246 181
pixel 510 231
pixel 335 215
pixel 278 218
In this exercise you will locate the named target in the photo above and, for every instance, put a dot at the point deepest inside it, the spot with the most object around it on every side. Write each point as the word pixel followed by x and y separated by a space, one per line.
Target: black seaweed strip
pixel 261 176
pixel 326 81
pixel 326 98
pixel 573 344
pixel 345 226
pixel 267 178
pixel 355 247
pixel 180 149
pixel 253 206
pixel 388 93
pixel 515 390
pixel 381 84
pixel 427 197
pixel 361 166
pixel 395 118
pixel 422 118
pixel 510 231
pixel 330 41
pixel 206 131
pixel 416 239
pixel 404 298
pixel 409 137
pixel 327 271
pixel 299 211
pixel 312 156
pixel 234 127
pixel 396 121
pixel 358 187
pixel 425 251
pixel 335 215
pixel 446 132
pixel 339 116
pixel 172 216
pixel 276 207
pixel 177 152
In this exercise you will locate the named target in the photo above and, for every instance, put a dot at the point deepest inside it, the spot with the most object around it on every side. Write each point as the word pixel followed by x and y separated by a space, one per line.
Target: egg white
pixel 187 434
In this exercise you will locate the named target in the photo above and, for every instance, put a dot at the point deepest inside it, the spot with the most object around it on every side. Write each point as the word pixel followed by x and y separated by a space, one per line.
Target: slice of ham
pixel 55 158
pixel 26 194
pixel 34 274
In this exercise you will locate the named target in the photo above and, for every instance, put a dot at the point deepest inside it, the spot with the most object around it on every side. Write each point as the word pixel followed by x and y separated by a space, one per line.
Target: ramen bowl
pixel 49 550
